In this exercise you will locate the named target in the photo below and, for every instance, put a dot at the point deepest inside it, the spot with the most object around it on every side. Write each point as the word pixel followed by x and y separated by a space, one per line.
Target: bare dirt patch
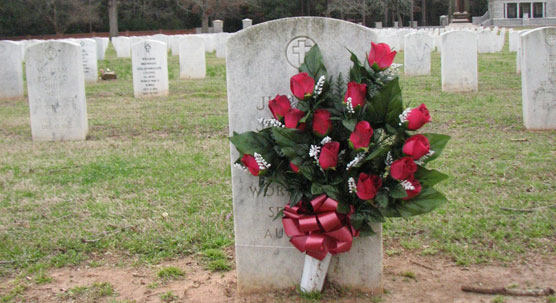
pixel 406 279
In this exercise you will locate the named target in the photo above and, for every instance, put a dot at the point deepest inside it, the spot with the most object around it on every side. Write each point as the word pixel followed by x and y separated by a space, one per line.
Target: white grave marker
pixel 259 64
pixel 459 61
pixel 417 55
pixel 56 88
pixel 122 46
pixel 192 57
pixel 89 59
pixel 11 70
pixel 149 60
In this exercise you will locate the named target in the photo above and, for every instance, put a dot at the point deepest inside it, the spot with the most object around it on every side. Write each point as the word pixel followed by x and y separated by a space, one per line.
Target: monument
pixel 460 15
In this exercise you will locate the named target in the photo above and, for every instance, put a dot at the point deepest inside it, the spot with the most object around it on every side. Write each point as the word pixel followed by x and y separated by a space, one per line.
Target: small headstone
pixel 378 24
pixel 162 38
pixel 11 71
pixel 192 58
pixel 56 88
pixel 247 23
pixel 396 24
pixel 459 61
pixel 417 54
pixel 260 61
pixel 444 20
pixel 414 24
pixel 101 47
pixel 89 59
pixel 221 40
pixel 218 26
pixel 122 46
pixel 149 60
pixel 538 78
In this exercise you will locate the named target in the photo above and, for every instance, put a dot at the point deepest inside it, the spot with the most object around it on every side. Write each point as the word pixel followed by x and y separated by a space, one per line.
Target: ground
pixel 148 193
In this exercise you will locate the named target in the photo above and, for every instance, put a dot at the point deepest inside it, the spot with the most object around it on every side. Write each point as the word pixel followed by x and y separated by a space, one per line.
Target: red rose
pixel 302 85
pixel 418 117
pixel 279 106
pixel 413 192
pixel 294 167
pixel 329 155
pixel 357 93
pixel 292 118
pixel 380 57
pixel 251 164
pixel 367 186
pixel 321 122
pixel 361 136
pixel 416 146
pixel 403 169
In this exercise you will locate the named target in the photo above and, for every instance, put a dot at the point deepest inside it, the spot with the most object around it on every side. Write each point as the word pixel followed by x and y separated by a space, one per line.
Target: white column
pixel 531 13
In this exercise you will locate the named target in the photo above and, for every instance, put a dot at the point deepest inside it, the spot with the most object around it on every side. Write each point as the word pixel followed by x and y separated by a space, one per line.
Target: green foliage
pixel 216 260
pixel 314 64
pixel 169 297
pixel 170 272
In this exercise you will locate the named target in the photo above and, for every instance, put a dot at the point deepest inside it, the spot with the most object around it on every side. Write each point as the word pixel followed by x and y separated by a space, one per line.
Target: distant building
pixel 518 13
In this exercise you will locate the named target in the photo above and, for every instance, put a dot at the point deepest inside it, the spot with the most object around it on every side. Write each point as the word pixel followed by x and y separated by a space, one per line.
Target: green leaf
pixel 332 191
pixel 426 201
pixel 437 142
pixel 357 220
pixel 295 196
pixel 349 124
pixel 397 191
pixel 290 137
pixel 308 171
pixel 343 207
pixel 366 231
pixel 313 64
pixel 379 151
pixel 381 199
pixel 250 143
pixel 429 178
pixel 316 189
pixel 387 105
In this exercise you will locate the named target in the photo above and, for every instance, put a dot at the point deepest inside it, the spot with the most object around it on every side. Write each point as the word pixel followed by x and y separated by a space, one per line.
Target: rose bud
pixel 361 136
pixel 302 85
pixel 418 117
pixel 279 106
pixel 292 118
pixel 321 122
pixel 416 146
pixel 368 186
pixel 380 57
pixel 414 191
pixel 294 167
pixel 329 155
pixel 357 93
pixel 251 164
pixel 403 169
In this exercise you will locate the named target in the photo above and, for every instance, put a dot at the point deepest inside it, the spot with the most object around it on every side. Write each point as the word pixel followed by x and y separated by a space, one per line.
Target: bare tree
pixel 61 14
pixel 113 17
pixel 359 8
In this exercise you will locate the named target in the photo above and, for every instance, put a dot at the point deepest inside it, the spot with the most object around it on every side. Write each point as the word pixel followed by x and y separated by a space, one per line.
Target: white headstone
pixel 538 78
pixel 514 40
pixel 56 88
pixel 459 61
pixel 162 38
pixel 149 60
pixel 11 70
pixel 192 58
pixel 89 59
pixel 247 23
pixel 218 26
pixel 417 54
pixel 221 40
pixel 378 24
pixel 259 63
pixel 122 46
pixel 101 47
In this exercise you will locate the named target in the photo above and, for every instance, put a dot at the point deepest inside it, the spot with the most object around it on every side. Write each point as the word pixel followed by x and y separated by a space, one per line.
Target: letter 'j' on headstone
pixel 11 70
pixel 459 62
pixel 56 88
pixel 260 61
pixel 149 61
pixel 538 78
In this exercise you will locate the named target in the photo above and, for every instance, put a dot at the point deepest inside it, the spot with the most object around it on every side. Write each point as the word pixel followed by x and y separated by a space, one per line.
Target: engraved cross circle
pixel 551 39
pixel 296 50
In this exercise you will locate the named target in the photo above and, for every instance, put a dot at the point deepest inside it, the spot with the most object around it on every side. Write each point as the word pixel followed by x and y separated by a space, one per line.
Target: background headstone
pixel 459 61
pixel 102 43
pixel 259 64
pixel 417 54
pixel 247 23
pixel 89 59
pixel 192 58
pixel 122 46
pixel 218 26
pixel 56 88
pixel 538 78
pixel 149 60
pixel 221 40
pixel 378 24
pixel 11 70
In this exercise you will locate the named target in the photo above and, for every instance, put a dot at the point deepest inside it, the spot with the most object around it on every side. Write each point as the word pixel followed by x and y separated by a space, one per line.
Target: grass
pixel 216 260
pixel 90 293
pixel 153 179
pixel 170 272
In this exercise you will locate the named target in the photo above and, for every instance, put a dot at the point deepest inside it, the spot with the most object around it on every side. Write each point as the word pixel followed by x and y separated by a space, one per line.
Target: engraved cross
pixel 302 47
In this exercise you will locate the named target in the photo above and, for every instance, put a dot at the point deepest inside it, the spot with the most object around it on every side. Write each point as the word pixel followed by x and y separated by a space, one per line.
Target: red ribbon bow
pixel 325 231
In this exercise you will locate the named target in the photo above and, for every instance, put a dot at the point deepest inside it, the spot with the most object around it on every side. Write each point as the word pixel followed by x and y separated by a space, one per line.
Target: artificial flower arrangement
pixel 347 154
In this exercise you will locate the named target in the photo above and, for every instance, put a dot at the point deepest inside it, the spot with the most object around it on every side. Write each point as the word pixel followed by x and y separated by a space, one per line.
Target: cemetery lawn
pixel 152 181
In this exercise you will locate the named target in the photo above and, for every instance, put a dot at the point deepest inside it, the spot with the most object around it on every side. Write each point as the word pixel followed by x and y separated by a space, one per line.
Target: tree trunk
pixel 424 12
pixel 205 22
pixel 385 13
pixel 450 10
pixel 113 17
pixel 363 17
pixel 400 20
pixel 411 9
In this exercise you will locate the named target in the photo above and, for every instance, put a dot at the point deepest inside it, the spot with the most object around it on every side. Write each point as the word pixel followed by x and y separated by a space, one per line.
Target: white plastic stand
pixel 314 273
